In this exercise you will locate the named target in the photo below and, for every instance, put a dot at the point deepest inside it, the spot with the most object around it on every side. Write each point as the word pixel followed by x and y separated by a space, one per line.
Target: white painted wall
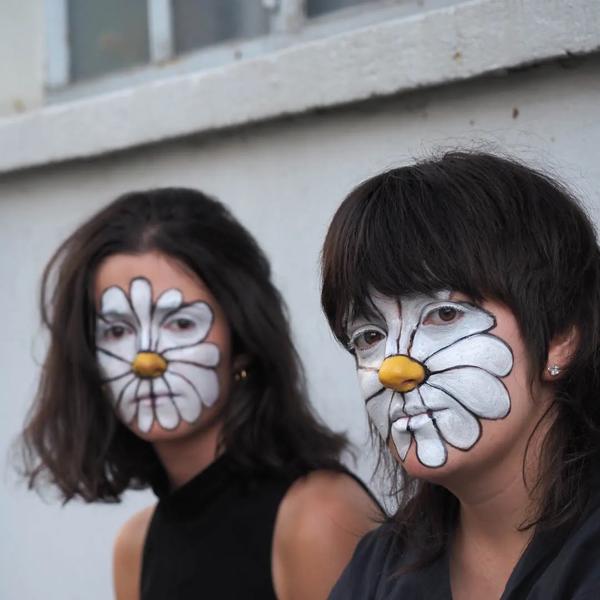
pixel 284 180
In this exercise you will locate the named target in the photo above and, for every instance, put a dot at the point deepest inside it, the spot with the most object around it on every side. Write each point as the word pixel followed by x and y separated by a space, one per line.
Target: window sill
pixel 434 48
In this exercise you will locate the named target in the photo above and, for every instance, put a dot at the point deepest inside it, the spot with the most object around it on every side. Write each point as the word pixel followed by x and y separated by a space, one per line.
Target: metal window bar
pixel 58 54
pixel 160 30
pixel 288 15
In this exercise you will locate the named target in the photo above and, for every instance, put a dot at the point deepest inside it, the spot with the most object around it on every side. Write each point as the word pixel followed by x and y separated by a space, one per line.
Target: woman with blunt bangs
pixel 467 289
pixel 170 365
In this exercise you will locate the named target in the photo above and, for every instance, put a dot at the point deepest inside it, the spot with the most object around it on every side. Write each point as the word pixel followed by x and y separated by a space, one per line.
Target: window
pixel 95 46
pixel 201 23
pixel 315 8
pixel 106 36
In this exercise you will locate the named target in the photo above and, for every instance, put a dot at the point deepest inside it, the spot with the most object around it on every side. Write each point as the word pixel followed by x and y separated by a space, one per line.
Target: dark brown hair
pixel 73 436
pixel 492 228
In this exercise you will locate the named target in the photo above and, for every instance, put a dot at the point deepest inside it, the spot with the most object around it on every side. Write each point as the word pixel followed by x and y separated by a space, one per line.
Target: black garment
pixel 211 538
pixel 563 564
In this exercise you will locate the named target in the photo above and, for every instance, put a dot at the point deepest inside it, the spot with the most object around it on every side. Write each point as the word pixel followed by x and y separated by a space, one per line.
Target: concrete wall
pixel 284 180
pixel 21 55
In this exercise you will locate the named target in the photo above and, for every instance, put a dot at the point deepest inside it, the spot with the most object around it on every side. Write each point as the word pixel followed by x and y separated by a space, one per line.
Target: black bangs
pixel 468 222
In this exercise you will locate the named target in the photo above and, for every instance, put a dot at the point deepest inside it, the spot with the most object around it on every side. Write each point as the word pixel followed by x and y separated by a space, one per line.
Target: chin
pixel 456 465
pixel 158 433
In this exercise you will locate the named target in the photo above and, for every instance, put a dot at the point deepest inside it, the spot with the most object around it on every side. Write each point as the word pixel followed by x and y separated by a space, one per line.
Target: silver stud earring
pixel 554 370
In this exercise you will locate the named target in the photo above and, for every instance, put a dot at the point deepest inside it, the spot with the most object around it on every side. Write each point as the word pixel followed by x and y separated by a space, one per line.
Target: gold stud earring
pixel 239 375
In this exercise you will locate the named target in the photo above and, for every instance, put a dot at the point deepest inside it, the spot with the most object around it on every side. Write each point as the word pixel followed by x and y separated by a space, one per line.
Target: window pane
pixel 198 23
pixel 106 35
pixel 314 8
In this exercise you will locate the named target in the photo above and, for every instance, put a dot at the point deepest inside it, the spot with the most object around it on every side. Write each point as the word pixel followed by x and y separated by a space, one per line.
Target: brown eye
pixel 181 324
pixel 447 313
pixel 116 332
pixel 367 339
pixel 443 315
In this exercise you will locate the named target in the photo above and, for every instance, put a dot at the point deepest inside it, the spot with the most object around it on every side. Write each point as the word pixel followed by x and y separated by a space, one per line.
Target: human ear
pixel 560 353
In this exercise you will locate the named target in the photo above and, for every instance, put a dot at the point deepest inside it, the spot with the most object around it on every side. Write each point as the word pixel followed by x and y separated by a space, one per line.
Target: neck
pixel 183 458
pixel 495 502
pixel 487 542
pixel 495 510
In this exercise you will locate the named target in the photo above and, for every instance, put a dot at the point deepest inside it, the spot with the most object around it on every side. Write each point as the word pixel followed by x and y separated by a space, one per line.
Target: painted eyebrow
pixel 113 314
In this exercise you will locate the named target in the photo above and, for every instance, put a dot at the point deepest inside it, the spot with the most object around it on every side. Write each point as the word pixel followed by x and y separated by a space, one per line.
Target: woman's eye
pixel 116 332
pixel 443 315
pixel 181 324
pixel 367 339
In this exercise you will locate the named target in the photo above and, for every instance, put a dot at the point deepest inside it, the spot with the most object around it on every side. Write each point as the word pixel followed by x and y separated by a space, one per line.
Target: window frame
pixel 289 26
pixel 388 59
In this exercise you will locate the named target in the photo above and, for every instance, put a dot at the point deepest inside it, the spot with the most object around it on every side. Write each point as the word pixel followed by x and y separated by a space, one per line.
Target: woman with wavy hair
pixel 467 289
pixel 170 365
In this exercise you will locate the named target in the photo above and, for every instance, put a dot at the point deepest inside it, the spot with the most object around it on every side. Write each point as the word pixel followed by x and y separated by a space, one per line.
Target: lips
pixel 403 422
pixel 151 399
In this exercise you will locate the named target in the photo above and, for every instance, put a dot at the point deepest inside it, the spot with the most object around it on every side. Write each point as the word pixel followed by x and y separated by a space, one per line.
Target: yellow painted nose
pixel 149 364
pixel 401 373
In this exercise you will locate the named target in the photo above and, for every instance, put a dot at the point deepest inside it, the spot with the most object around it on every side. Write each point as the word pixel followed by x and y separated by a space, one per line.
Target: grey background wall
pixel 283 180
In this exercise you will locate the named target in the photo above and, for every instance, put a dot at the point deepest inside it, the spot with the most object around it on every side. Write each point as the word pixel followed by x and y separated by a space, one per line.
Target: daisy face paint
pixel 430 370
pixel 153 355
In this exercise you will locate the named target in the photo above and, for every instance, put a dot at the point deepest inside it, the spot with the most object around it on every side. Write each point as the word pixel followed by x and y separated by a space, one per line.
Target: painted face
pixel 429 371
pixel 157 344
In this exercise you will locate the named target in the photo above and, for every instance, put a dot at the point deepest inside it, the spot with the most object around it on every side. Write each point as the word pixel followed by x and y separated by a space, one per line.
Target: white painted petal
pixel 431 450
pixel 204 381
pixel 111 367
pixel 368 380
pixel 481 350
pixel 145 416
pixel 167 302
pixel 432 338
pixel 199 313
pixel 482 393
pixel 167 414
pixel 118 387
pixel 160 387
pixel 413 403
pixel 456 424
pixel 140 293
pixel 189 408
pixel 372 358
pixel 402 439
pixel 185 396
pixel 115 353
pixel 123 397
pixel 378 409
pixel 144 388
pixel 389 309
pixel 412 307
pixel 114 300
pixel 205 354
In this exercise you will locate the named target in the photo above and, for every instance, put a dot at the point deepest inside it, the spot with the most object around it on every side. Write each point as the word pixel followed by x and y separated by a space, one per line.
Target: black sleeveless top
pixel 211 538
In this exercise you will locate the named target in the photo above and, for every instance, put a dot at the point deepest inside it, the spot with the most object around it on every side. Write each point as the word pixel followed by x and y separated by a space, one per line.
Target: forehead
pixel 163 272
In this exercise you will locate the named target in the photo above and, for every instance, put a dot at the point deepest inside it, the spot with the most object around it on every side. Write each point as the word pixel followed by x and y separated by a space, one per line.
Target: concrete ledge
pixel 433 48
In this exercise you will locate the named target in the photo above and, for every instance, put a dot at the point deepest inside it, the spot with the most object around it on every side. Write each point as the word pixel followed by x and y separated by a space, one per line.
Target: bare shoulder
pixel 127 555
pixel 320 521
pixel 330 499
